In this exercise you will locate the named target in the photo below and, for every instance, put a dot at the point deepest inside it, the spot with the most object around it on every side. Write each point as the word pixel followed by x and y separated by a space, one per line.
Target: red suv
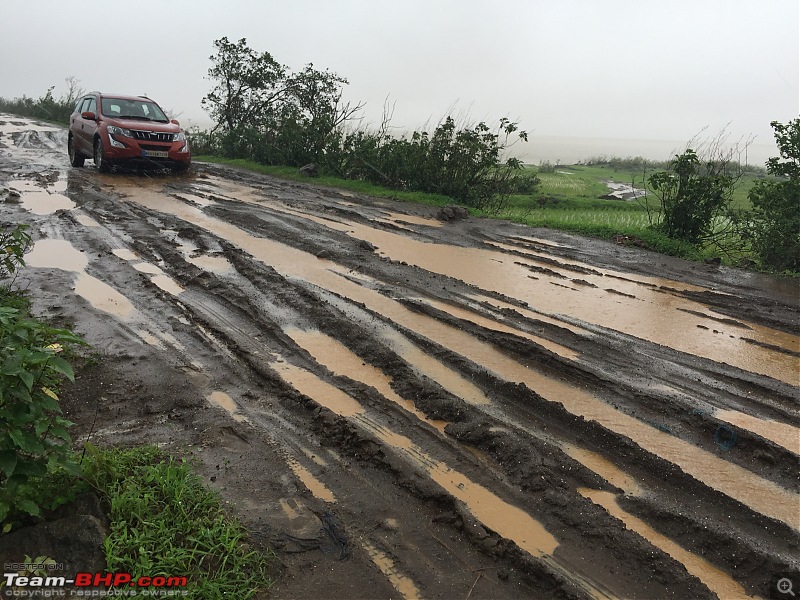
pixel 115 129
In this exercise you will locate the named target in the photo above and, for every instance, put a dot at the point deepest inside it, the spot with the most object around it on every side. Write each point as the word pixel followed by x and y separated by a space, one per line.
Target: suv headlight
pixel 178 137
pixel 112 130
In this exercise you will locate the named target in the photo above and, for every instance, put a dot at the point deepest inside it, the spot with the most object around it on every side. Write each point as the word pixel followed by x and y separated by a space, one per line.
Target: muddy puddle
pixel 496 514
pixel 315 486
pixel 340 360
pixel 759 494
pixel 783 434
pixel 650 313
pixel 226 403
pixel 716 580
pixel 400 581
pixel 157 275
pixel 61 254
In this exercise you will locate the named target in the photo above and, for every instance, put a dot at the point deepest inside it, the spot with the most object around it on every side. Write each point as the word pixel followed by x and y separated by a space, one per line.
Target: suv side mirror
pixel 175 122
pixel 88 115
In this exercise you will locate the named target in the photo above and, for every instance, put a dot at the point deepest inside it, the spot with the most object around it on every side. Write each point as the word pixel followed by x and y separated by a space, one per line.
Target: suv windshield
pixel 145 110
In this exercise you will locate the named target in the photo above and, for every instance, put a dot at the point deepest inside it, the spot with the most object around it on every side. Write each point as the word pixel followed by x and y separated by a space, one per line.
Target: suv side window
pixel 84 103
pixel 92 105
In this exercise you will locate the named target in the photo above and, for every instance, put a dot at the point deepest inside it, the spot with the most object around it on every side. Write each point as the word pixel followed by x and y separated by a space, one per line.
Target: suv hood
pixel 145 125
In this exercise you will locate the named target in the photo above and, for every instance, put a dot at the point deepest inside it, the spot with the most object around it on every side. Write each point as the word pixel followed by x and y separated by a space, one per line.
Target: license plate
pixel 155 153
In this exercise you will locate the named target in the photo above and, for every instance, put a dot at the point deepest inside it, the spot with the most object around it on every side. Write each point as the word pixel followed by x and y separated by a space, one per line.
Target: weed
pixel 165 522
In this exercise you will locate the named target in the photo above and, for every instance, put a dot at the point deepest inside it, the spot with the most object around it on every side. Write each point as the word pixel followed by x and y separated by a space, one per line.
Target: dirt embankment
pixel 402 406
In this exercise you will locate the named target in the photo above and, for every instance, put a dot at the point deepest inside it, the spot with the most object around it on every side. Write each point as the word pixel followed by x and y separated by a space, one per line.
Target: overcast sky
pixel 634 69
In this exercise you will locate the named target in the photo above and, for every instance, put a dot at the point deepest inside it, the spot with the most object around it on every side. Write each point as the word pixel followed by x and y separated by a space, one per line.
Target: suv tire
pixel 103 165
pixel 75 157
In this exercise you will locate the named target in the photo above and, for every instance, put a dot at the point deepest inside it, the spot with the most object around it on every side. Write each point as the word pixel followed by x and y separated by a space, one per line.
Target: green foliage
pixel 34 437
pixel 775 218
pixel 266 113
pixel 691 194
pixel 47 107
pixel 165 522
pixel 14 243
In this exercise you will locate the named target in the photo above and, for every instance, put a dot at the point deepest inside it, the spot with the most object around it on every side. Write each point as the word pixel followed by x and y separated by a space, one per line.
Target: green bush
pixel 34 438
pixel 775 218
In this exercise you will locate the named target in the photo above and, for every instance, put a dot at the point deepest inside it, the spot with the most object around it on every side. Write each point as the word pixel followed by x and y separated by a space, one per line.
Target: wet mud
pixel 463 409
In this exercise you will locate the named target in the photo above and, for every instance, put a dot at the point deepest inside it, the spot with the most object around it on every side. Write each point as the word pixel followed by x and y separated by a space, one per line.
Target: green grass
pixel 164 521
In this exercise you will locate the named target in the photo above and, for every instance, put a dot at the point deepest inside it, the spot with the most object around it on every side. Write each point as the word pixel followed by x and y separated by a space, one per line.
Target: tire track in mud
pixel 430 343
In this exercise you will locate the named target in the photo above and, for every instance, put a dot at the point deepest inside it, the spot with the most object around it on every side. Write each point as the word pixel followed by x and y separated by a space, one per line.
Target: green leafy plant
pixel 775 220
pixel 691 193
pixel 34 437
pixel 14 243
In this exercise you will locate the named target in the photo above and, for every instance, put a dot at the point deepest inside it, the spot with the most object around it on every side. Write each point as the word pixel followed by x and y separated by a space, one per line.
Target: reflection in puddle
pixel 314 485
pixel 402 583
pixel 225 402
pixel 782 434
pixel 716 580
pixel 741 484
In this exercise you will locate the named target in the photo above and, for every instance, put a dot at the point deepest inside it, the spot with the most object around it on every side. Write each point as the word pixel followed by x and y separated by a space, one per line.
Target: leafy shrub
pixel 775 219
pixel 691 195
pixel 46 107
pixel 34 437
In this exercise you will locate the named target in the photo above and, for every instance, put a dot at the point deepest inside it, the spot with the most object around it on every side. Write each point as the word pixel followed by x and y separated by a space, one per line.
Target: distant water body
pixel 571 150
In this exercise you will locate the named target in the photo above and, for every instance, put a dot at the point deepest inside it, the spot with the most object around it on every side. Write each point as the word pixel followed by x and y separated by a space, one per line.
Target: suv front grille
pixel 151 136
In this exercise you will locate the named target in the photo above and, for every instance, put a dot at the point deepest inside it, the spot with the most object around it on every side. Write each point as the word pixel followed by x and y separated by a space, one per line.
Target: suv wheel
pixel 103 165
pixel 75 157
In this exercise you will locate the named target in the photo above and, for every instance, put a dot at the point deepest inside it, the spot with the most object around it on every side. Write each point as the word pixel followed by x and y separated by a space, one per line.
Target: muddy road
pixel 406 407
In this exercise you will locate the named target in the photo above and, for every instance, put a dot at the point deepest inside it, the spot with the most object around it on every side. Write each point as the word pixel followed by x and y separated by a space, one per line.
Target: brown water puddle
pixel 401 219
pixel 61 254
pixel 340 360
pixel 206 262
pixel 761 495
pixel 158 277
pixel 783 434
pixel 226 403
pixel 314 485
pixel 507 520
pixel 467 315
pixel 603 467
pixel 653 315
pixel 539 241
pixel 86 220
pixel 40 201
pixel 401 582
pixel 716 580
pixel 199 200
pixel 530 314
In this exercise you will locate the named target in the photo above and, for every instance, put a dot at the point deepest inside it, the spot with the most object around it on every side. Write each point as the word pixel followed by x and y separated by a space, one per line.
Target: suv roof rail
pixel 144 96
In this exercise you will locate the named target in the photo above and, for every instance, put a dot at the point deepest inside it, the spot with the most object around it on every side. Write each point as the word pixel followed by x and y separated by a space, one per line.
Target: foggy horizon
pixel 613 70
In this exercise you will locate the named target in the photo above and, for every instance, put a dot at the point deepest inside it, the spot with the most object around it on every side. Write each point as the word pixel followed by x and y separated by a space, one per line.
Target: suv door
pixel 83 129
